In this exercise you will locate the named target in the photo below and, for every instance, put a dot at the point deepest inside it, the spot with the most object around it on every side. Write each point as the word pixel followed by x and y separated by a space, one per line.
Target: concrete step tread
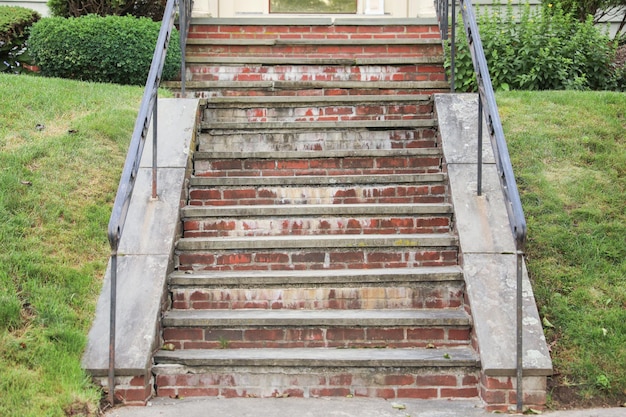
pixel 312 41
pixel 347 124
pixel 316 210
pixel 312 180
pixel 319 357
pixel 319 241
pixel 301 85
pixel 315 277
pixel 306 318
pixel 324 154
pixel 255 101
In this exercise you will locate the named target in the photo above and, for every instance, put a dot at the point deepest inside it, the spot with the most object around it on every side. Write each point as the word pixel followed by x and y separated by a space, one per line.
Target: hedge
pixel 115 49
pixel 14 24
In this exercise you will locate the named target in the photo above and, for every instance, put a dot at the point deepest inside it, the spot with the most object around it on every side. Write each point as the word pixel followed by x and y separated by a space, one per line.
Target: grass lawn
pixel 62 146
pixel 569 154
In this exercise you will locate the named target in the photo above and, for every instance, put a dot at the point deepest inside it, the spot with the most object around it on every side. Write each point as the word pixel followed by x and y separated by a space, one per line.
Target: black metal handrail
pixel 487 103
pixel 147 112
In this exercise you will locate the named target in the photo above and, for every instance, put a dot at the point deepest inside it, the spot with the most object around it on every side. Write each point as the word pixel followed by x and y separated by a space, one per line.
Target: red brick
pixel 271 258
pixel 436 381
pixel 256 335
pixel 140 381
pixel 196 258
pixel 198 392
pixel 182 334
pixel 237 194
pixel 494 396
pixel 399 380
pixel 345 334
pixel 340 379
pixel 497 382
pixel 329 392
pixel 459 392
pixel 239 258
pixel 424 334
pixel 385 334
pixel 458 334
pixel 421 393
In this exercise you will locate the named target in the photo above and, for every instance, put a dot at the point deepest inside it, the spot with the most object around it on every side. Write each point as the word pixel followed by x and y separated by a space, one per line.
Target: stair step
pixel 318 154
pixel 326 241
pixel 190 212
pixel 312 41
pixel 317 180
pixel 289 328
pixel 290 101
pixel 299 60
pixel 300 85
pixel 301 140
pixel 318 277
pixel 321 357
pixel 347 124
pixel 361 318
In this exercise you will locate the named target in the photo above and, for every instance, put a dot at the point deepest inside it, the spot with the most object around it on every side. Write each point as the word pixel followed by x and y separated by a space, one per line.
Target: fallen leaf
pixel 430 346
pixel 398 406
pixel 40 126
pixel 26 183
pixel 169 346
pixel 446 356
pixel 532 411
pixel 547 323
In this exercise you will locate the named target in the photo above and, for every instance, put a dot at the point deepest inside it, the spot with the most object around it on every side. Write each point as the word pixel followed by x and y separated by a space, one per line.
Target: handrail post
pixel 520 350
pixel 453 47
pixel 479 164
pixel 154 146
pixel 112 312
pixel 183 41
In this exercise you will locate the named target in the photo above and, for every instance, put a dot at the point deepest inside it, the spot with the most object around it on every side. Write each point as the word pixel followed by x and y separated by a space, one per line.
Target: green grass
pixel 569 154
pixel 57 184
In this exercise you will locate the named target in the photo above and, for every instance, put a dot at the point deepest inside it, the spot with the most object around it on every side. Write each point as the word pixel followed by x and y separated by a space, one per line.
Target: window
pixel 313 6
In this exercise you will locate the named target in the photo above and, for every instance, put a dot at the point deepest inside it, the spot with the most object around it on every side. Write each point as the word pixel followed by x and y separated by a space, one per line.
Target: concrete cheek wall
pixel 489 262
pixel 145 258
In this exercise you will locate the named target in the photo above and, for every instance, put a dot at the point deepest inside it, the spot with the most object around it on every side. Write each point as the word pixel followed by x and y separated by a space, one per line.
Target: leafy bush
pixel 138 8
pixel 542 49
pixel 116 49
pixel 14 25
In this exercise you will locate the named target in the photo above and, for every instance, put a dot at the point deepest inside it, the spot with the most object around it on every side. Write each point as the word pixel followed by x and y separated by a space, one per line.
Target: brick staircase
pixel 319 254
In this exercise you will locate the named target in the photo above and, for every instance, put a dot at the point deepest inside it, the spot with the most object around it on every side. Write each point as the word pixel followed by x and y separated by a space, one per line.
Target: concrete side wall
pixel 489 261
pixel 145 257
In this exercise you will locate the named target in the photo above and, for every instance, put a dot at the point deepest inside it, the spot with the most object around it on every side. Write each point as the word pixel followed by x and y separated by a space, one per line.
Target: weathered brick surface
pixel 349 194
pixel 315 259
pixel 500 393
pixel 318 166
pixel 318 298
pixel 266 382
pixel 315 226
pixel 313 336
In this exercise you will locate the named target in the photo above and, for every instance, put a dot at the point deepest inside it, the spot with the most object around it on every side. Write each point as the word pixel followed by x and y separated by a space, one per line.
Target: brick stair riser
pixel 315 226
pixel 213 72
pixel 318 166
pixel 316 51
pixel 261 141
pixel 314 337
pixel 315 259
pixel 391 194
pixel 388 383
pixel 301 91
pixel 321 113
pixel 407 296
pixel 306 31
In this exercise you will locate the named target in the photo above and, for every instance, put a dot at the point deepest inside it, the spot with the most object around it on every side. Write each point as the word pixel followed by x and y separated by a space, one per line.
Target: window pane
pixel 313 6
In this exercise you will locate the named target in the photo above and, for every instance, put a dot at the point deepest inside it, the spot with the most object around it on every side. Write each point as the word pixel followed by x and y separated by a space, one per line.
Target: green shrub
pixel 115 49
pixel 541 49
pixel 14 25
pixel 138 8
